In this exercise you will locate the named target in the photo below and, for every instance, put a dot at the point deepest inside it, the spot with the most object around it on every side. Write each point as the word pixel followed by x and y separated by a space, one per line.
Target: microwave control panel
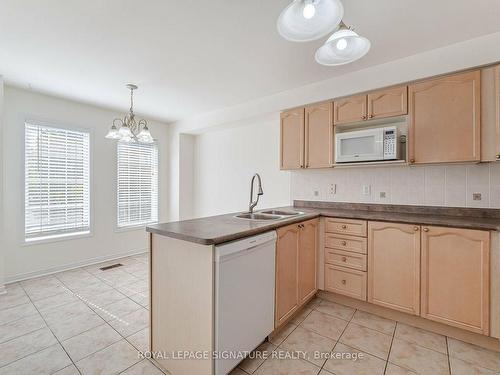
pixel 390 144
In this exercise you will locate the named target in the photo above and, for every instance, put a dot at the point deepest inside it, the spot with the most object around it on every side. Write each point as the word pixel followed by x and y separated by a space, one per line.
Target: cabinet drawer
pixel 346 226
pixel 345 259
pixel 346 243
pixel 345 281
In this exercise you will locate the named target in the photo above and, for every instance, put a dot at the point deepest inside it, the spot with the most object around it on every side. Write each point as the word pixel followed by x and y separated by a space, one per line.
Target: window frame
pixel 135 227
pixel 32 120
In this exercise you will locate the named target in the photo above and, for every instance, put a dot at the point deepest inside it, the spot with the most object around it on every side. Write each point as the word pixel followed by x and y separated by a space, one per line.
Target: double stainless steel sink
pixel 268 215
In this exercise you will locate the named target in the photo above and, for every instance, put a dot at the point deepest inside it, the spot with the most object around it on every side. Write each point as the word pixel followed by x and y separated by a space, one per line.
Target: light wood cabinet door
pixel 308 244
pixel 292 139
pixel 350 109
pixel 394 266
pixel 445 119
pixel 388 103
pixel 319 135
pixel 497 111
pixel 287 277
pixel 455 277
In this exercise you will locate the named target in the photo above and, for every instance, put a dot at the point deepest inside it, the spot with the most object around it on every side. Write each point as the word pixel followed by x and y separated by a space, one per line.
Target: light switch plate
pixel 366 189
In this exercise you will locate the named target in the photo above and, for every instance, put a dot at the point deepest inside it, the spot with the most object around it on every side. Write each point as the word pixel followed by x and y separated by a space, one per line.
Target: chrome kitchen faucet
pixel 252 203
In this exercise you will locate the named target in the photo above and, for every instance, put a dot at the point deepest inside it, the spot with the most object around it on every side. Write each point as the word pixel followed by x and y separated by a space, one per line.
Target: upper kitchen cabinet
pixel 319 135
pixel 307 137
pixel 388 103
pixel 351 109
pixel 375 105
pixel 292 139
pixel 490 113
pixel 455 277
pixel 445 119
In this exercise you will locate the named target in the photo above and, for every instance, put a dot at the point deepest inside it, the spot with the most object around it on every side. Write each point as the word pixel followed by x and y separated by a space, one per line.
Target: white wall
pixel 186 176
pixel 450 185
pixel 222 184
pixel 225 161
pixel 105 242
pixel 2 234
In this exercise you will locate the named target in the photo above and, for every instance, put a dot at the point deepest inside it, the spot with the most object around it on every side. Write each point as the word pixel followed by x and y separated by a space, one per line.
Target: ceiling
pixel 190 57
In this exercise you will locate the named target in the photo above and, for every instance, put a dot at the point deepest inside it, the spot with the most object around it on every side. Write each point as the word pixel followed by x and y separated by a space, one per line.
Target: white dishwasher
pixel 244 296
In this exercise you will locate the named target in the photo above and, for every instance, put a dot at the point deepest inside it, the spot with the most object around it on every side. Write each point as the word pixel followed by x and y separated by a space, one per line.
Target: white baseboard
pixel 69 266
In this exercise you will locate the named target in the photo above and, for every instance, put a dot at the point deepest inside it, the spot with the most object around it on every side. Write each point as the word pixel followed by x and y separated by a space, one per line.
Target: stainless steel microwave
pixel 367 145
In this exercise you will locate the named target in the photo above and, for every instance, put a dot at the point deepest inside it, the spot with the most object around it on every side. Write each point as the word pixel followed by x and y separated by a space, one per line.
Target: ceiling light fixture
pixel 306 20
pixel 342 47
pixel 128 130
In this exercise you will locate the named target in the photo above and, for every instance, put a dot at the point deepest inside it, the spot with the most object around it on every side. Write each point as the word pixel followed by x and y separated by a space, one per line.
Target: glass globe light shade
pixel 125 131
pixel 145 136
pixel 113 133
pixel 306 20
pixel 343 47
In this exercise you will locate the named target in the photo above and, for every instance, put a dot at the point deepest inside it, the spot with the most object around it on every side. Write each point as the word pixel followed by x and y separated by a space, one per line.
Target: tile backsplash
pixel 476 185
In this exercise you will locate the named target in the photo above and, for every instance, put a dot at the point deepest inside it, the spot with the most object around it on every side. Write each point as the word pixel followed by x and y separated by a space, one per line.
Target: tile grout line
pixel 448 355
pixel 390 347
pixel 78 299
pixel 105 323
pixel 109 325
pixel 57 338
pixel 338 340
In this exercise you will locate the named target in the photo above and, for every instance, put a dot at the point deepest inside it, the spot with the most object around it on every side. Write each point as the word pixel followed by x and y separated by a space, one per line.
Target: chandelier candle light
pixel 307 20
pixel 130 130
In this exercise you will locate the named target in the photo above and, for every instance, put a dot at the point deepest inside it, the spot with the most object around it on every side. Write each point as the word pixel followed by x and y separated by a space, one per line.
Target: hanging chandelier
pixel 307 20
pixel 128 129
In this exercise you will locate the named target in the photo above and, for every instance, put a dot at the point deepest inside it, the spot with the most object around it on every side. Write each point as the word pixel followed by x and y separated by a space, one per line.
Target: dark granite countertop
pixel 223 228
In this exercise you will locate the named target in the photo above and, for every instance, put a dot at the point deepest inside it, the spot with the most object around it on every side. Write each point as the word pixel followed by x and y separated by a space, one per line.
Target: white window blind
pixel 56 182
pixel 137 184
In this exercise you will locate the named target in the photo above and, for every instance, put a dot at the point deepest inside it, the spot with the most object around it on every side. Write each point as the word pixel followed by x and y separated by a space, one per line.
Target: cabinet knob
pixel 498 156
pixel 415 229
pixel 344 259
pixel 426 229
pixel 344 226
pixel 344 243
pixel 372 115
pixel 412 161
pixel 364 117
pixel 344 282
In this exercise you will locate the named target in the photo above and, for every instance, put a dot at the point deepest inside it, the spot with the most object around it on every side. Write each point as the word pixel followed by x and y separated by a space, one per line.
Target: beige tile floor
pixel 88 321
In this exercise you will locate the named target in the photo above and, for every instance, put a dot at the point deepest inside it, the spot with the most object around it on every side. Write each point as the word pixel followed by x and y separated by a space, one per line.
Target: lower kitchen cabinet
pixel 308 244
pixel 296 254
pixel 394 266
pixel 346 281
pixel 455 277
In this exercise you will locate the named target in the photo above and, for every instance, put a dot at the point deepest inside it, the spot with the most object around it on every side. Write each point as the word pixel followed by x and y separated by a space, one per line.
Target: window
pixel 137 196
pixel 56 182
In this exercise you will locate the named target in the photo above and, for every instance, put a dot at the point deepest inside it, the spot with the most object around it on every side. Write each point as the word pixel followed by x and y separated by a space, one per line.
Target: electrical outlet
pixel 476 196
pixel 316 193
pixel 332 189
pixel 366 189
pixel 382 194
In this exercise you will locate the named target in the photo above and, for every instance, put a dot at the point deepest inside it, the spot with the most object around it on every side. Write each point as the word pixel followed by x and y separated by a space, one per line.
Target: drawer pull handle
pixel 415 229
pixel 344 226
pixel 426 229
pixel 344 243
pixel 344 259
pixel 344 282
